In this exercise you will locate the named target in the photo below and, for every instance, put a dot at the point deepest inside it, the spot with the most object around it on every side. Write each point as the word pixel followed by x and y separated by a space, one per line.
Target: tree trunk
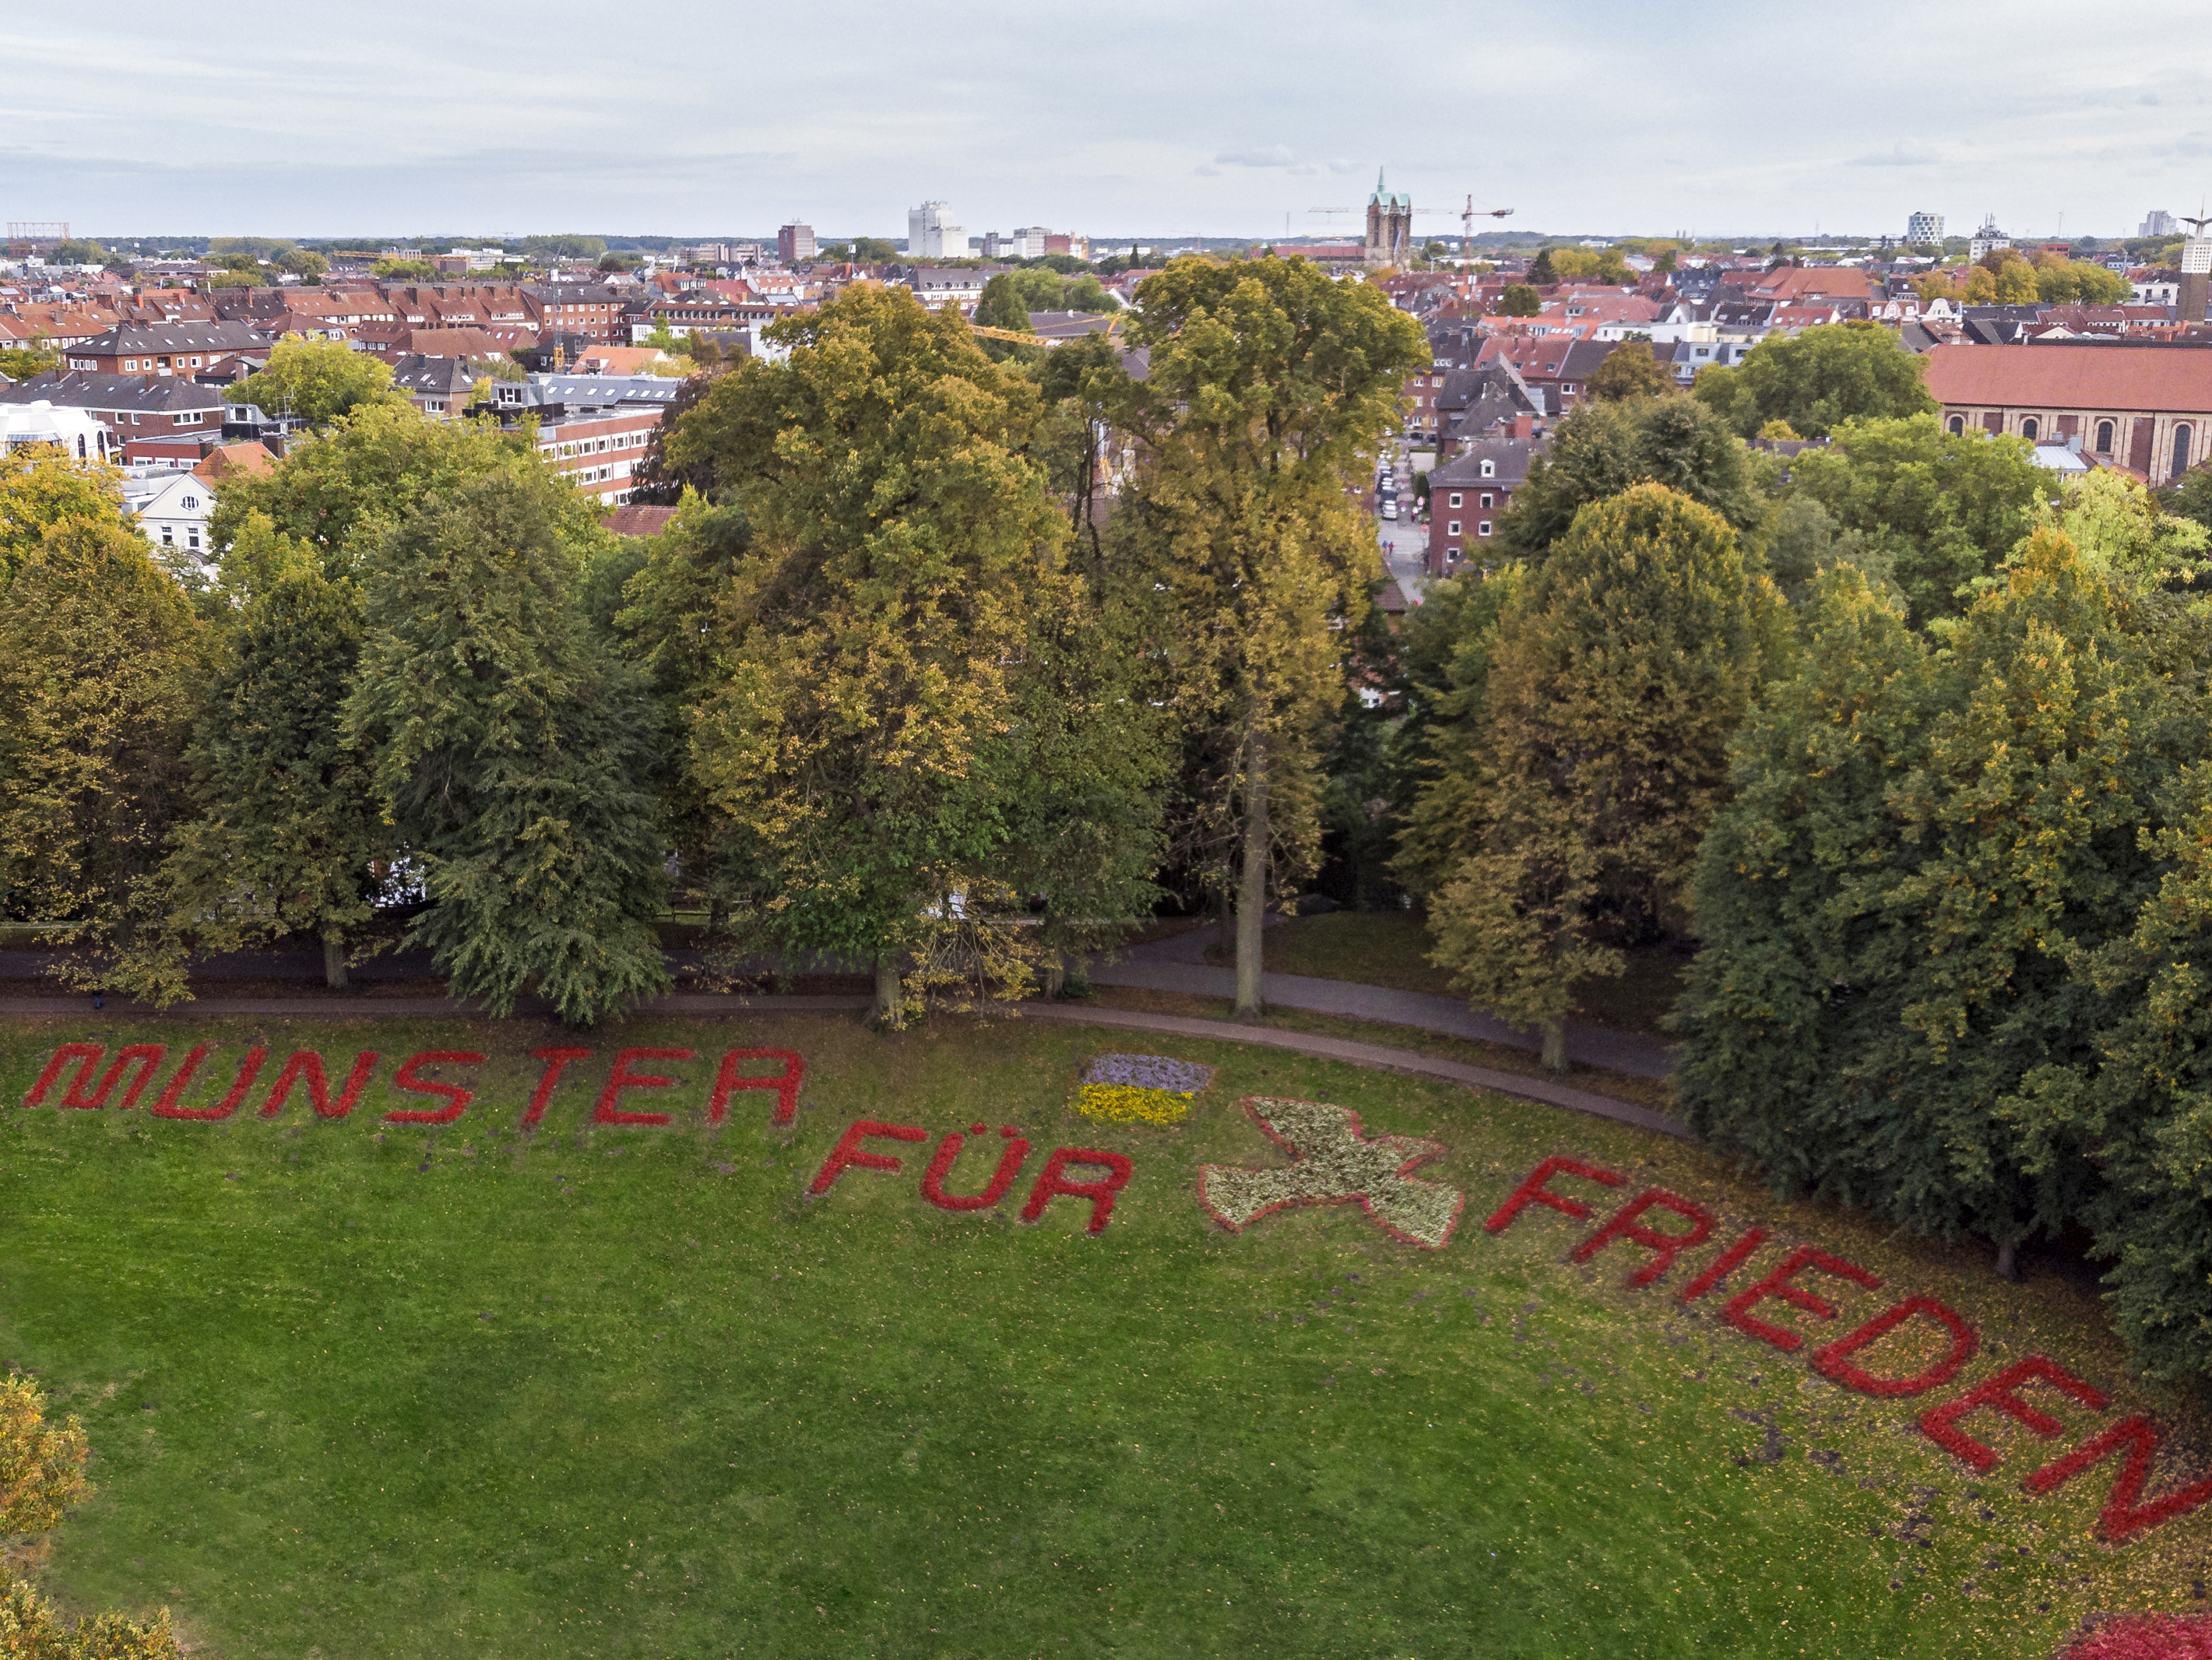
pixel 1555 1046
pixel 334 963
pixel 1055 972
pixel 890 996
pixel 1252 895
pixel 2007 1267
pixel 1224 920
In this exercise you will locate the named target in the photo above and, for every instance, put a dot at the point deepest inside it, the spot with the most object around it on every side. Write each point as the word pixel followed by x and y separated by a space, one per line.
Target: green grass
pixel 624 1391
pixel 1391 948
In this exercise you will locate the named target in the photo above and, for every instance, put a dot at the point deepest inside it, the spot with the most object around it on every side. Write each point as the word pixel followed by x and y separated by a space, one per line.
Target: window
pixel 1452 529
pixel 2181 437
pixel 168 533
pixel 192 537
pixel 1958 425
pixel 2104 436
pixel 134 420
pixel 2029 428
pixel 1455 498
pixel 190 503
pixel 1490 469
pixel 1488 500
pixel 1482 528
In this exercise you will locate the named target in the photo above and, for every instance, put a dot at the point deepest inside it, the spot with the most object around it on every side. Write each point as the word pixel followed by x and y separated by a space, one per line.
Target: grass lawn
pixel 363 1388
pixel 1391 948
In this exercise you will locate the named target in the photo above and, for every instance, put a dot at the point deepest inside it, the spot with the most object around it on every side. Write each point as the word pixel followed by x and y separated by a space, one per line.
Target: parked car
pixel 1390 508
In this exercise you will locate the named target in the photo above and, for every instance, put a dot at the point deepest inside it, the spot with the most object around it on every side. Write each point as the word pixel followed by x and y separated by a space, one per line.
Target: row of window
pixel 1488 499
pixel 2104 436
pixel 1481 528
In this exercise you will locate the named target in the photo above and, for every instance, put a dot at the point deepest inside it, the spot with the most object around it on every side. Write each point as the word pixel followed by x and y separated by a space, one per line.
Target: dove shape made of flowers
pixel 1333 1162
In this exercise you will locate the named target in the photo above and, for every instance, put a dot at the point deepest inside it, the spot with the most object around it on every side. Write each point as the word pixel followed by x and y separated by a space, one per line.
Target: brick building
pixel 1467 496
pixel 2147 409
pixel 165 349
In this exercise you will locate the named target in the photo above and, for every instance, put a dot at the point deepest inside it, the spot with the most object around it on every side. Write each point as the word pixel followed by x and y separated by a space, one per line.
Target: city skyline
pixel 1161 124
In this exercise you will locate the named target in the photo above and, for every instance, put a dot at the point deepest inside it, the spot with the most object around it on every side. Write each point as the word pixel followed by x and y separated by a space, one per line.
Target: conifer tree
pixel 1619 673
pixel 510 749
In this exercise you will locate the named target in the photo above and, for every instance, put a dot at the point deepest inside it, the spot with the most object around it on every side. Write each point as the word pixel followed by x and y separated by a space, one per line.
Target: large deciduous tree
pixel 1818 379
pixel 900 719
pixel 101 661
pixel 1270 386
pixel 317 380
pixel 511 749
pixel 1616 677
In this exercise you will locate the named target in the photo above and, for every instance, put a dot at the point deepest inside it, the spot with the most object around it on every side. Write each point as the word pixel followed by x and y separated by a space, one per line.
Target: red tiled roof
pixel 2155 378
pixel 634 519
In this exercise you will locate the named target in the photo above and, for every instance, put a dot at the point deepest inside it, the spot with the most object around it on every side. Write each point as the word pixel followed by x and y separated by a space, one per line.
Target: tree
pixel 1543 271
pixel 44 486
pixel 289 835
pixel 41 1474
pixel 1270 386
pixel 1629 371
pixel 1980 288
pixel 22 362
pixel 2017 284
pixel 1937 510
pixel 303 263
pixel 1520 300
pixel 339 490
pixel 1920 844
pixel 1817 380
pixel 1617 677
pixel 403 271
pixel 509 746
pixel 1602 449
pixel 318 381
pixel 2192 498
pixel 100 663
pixel 1002 305
pixel 866 729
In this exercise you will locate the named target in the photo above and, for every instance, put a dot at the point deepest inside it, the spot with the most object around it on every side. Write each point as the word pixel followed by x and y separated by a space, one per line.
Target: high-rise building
pixel 2157 223
pixel 794 244
pixel 931 234
pixel 2196 290
pixel 1987 237
pixel 1924 229
pixel 1390 226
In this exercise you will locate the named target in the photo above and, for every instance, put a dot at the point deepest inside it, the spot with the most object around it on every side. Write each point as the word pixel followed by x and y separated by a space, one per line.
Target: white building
pixel 931 234
pixel 1924 229
pixel 77 432
pixel 2159 222
pixel 173 514
pixel 1985 239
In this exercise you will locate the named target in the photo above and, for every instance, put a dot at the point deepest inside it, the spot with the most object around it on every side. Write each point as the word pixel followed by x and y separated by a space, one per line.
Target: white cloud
pixel 1274 156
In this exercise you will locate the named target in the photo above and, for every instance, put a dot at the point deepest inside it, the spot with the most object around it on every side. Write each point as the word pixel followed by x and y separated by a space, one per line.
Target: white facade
pixel 1985 239
pixel 931 234
pixel 175 516
pixel 79 433
pixel 2157 223
pixel 1924 228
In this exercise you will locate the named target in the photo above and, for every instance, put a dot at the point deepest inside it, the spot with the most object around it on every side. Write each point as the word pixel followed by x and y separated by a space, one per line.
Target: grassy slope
pixel 620 1391
pixel 1391 948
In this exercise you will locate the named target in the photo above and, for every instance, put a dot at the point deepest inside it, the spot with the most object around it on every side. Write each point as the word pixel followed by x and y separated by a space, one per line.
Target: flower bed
pixel 2146 1637
pixel 1140 1089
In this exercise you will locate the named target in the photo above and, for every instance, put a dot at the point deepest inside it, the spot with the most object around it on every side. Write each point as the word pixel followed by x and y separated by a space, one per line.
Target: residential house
pixel 164 348
pixel 592 310
pixel 2147 408
pixel 439 386
pixel 73 431
pixel 175 512
pixel 127 404
pixel 1467 494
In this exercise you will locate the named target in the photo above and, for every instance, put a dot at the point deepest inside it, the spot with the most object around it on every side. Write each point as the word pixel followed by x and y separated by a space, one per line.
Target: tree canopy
pixel 317 380
pixel 1817 380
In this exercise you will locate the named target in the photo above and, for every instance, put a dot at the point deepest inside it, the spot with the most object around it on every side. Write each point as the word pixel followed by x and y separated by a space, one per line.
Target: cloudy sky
pixel 1149 117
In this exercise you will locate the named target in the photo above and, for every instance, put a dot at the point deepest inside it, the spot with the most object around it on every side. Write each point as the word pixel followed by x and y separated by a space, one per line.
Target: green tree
pixel 1818 379
pixel 78 251
pixel 1921 843
pixel 42 487
pixel 2192 498
pixel 1602 449
pixel 1629 371
pixel 1934 509
pixel 2017 284
pixel 403 271
pixel 860 729
pixel 1520 300
pixel 22 362
pixel 509 749
pixel 1617 677
pixel 303 263
pixel 101 659
pixel 289 835
pixel 1543 271
pixel 1002 305
pixel 340 489
pixel 1270 390
pixel 318 381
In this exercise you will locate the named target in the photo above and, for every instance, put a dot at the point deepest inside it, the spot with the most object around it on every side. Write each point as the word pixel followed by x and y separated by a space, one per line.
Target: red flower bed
pixel 948 1151
pixel 2146 1637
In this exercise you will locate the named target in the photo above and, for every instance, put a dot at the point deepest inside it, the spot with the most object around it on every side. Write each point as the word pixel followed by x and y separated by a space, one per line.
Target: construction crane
pixel 1047 342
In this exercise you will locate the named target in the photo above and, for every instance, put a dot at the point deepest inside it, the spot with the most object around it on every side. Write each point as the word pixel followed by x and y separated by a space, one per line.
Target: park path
pixel 1178 964
pixel 1378 1055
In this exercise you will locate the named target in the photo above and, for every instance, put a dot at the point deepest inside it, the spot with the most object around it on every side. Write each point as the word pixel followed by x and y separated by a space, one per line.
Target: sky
pixel 1151 118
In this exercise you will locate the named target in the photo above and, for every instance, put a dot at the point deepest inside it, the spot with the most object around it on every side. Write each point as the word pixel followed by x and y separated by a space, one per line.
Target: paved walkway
pixel 1328 1049
pixel 1178 964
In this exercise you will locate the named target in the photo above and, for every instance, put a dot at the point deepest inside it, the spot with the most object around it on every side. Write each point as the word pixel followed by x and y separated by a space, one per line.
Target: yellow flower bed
pixel 1132 1103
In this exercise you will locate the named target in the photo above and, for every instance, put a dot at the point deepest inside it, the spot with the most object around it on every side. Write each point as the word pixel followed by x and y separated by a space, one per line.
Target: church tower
pixel 1390 226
